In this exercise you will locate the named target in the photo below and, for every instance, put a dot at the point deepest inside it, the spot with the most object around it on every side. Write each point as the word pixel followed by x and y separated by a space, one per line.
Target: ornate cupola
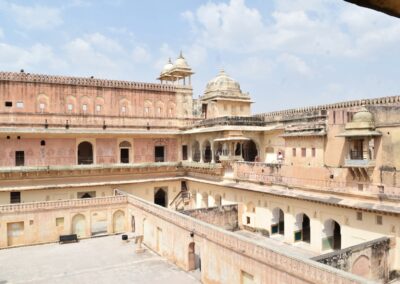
pixel 176 73
pixel 223 97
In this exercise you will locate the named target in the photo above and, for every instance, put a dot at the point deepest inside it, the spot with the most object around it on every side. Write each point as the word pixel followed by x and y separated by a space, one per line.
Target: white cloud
pixel 296 26
pixel 1 33
pixel 295 63
pixel 31 58
pixel 34 17
pixel 140 54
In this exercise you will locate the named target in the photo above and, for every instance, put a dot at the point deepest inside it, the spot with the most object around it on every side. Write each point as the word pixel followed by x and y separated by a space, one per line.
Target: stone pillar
pixel 190 159
pixel 289 226
pixel 365 149
pixel 202 152
pixel 212 153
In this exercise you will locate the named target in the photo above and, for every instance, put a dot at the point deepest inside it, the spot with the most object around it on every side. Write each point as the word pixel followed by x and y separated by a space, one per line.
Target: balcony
pixel 359 159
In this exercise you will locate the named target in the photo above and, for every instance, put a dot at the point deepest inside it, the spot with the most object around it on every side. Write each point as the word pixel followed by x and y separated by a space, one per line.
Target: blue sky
pixel 285 53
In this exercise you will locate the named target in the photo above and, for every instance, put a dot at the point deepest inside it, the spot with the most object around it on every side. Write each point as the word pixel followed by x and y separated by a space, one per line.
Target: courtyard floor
pixel 97 260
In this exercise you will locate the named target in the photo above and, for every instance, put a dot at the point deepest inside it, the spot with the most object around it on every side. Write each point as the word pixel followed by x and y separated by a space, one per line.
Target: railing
pixel 358 155
pixel 259 172
pixel 60 204
pixel 232 120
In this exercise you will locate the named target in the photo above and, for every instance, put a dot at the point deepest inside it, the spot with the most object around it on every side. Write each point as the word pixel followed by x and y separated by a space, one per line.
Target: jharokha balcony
pixel 359 159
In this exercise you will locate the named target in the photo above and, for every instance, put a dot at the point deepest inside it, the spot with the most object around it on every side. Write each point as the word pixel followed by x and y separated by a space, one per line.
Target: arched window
pixel 85 153
pixel 125 149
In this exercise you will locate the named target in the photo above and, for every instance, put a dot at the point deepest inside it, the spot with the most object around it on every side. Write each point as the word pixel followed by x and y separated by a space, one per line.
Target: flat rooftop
pixel 97 260
pixel 299 249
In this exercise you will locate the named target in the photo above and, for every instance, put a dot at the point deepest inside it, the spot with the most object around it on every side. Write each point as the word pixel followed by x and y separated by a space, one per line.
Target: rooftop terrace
pixel 84 262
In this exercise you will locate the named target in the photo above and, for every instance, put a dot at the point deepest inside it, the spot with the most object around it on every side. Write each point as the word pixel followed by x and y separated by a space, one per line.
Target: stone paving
pixel 97 260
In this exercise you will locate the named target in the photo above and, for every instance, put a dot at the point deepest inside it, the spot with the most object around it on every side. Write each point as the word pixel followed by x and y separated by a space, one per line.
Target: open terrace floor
pixel 96 260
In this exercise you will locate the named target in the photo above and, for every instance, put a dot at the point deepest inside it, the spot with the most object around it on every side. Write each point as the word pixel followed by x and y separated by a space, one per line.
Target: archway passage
pixel 333 238
pixel 196 151
pixel 302 225
pixel 249 151
pixel 85 153
pixel 337 237
pixel 207 152
pixel 278 222
pixel 306 229
pixel 160 197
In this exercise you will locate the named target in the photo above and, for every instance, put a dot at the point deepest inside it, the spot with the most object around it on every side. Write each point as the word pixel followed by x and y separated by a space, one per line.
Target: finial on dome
pixel 180 54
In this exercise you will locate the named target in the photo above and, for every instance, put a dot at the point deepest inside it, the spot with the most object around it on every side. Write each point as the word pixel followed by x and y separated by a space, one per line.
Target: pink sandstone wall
pixel 57 97
pixel 144 149
pixel 55 152
pixel 106 150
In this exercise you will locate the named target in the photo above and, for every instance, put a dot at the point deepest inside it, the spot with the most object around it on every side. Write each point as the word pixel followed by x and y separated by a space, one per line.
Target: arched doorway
pixel 218 200
pixel 79 225
pixel 333 239
pixel 196 151
pixel 119 222
pixel 191 257
pixel 207 152
pixel 85 153
pixel 204 200
pixel 124 152
pixel 218 152
pixel 250 151
pixel 278 222
pixel 303 228
pixel 160 197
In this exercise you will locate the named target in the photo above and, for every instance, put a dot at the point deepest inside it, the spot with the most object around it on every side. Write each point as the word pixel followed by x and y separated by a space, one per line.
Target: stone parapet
pixel 275 174
pixel 320 109
pixel 61 204
pixel 295 267
pixel 81 81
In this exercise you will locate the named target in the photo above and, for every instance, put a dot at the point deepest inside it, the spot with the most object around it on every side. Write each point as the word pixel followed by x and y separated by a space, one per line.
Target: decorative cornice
pixel 82 81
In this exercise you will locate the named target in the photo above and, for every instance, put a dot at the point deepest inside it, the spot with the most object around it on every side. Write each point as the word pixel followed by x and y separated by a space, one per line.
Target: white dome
pixel 223 85
pixel 180 62
pixel 168 66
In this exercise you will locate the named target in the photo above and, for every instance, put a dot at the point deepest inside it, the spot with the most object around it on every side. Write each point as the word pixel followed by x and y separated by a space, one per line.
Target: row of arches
pixel 208 153
pixel 79 224
pixel 85 152
pixel 331 231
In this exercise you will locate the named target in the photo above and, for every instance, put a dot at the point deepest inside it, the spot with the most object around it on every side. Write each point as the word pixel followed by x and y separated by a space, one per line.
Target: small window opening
pixel 8 104
pixel 42 143
pixel 359 216
pixel 19 158
pixel 15 197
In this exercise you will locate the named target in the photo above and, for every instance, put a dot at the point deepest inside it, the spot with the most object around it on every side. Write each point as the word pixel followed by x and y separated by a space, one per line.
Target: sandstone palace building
pixel 308 195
